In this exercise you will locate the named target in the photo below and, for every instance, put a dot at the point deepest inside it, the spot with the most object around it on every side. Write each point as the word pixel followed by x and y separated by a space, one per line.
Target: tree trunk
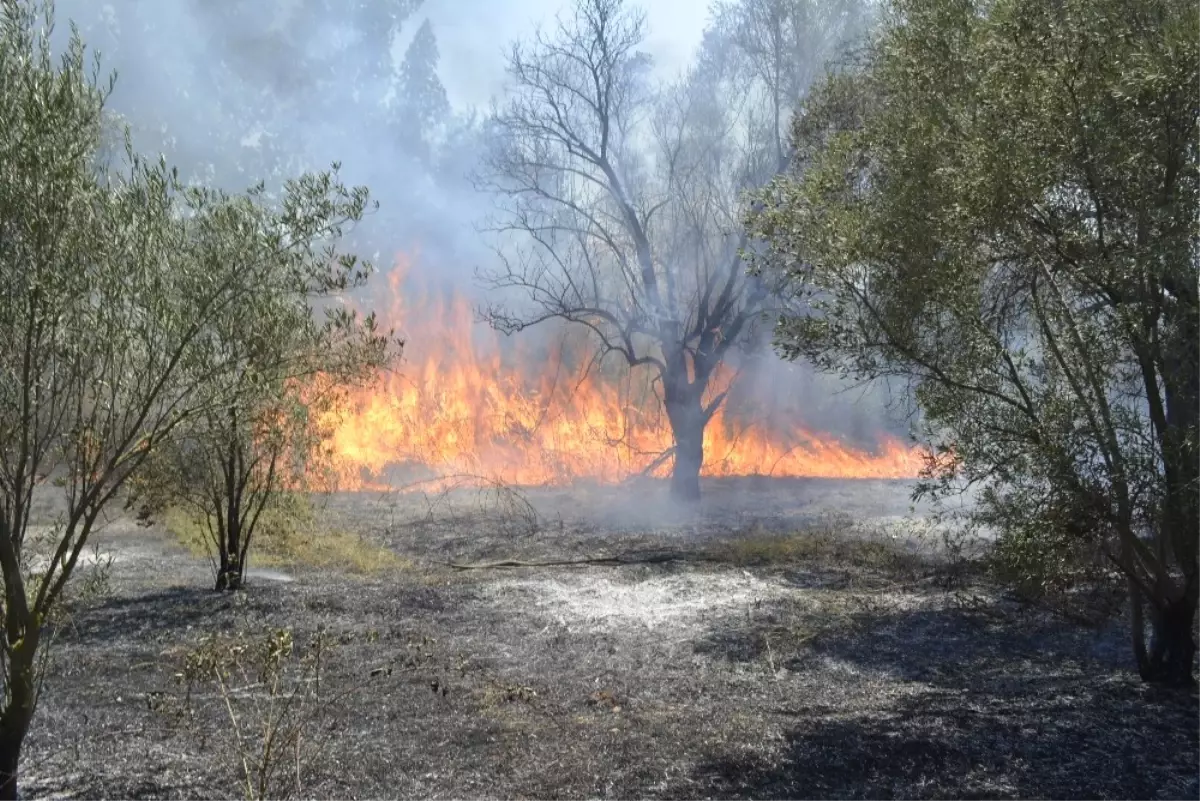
pixel 15 719
pixel 1172 653
pixel 222 564
pixel 10 756
pixel 687 426
pixel 232 569
pixel 1173 645
pixel 230 577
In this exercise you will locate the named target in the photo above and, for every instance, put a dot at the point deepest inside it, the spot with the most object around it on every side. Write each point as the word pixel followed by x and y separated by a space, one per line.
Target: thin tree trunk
pixel 232 570
pixel 230 578
pixel 1137 625
pixel 222 565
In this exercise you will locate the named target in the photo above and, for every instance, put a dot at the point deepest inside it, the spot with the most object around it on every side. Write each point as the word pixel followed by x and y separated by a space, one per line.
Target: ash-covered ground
pixel 791 639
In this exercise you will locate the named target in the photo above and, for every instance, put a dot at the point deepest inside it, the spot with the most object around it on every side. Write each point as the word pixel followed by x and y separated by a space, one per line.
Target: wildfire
pixel 535 413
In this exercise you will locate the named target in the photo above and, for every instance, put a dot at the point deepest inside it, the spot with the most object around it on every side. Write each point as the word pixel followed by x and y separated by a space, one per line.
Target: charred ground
pixel 790 641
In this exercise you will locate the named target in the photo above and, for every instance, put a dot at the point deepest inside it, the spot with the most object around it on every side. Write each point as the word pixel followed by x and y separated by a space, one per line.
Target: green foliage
pixel 137 314
pixel 281 367
pixel 999 208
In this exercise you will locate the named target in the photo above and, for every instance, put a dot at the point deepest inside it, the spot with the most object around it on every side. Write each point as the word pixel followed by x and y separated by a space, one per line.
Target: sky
pixel 473 36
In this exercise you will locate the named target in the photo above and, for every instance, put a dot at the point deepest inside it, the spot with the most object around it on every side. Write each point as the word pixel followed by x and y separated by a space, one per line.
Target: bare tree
pixel 622 206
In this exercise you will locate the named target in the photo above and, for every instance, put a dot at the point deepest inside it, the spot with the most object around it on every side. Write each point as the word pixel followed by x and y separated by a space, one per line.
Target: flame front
pixel 461 405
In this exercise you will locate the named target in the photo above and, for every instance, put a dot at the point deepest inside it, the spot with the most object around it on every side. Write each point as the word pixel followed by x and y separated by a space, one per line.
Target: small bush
pixel 267 692
pixel 264 704
pixel 1050 568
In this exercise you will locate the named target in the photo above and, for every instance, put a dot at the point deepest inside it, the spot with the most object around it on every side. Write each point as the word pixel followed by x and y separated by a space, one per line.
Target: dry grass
pixel 832 543
pixel 329 548
pixel 295 535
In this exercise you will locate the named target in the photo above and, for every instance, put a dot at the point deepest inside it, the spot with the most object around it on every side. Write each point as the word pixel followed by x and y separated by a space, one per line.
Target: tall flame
pixel 461 404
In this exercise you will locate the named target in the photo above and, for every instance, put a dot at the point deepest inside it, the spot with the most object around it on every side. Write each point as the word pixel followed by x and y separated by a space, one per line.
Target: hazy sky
pixel 473 36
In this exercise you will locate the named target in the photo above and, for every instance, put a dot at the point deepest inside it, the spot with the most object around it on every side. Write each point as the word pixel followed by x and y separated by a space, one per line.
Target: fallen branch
pixel 654 465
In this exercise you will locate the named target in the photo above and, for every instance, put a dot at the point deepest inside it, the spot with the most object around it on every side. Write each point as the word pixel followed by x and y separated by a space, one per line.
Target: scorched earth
pixel 793 638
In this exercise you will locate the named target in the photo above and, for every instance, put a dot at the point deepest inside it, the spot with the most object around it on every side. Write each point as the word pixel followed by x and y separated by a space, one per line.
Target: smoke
pixel 237 91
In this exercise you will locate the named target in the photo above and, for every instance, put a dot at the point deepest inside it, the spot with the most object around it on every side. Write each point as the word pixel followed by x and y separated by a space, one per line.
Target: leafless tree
pixel 621 205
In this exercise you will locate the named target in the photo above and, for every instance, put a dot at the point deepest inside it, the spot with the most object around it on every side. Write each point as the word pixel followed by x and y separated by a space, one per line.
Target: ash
pixel 789 639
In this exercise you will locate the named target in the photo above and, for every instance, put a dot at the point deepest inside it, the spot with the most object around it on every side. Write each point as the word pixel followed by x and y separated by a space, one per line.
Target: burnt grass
pixel 754 662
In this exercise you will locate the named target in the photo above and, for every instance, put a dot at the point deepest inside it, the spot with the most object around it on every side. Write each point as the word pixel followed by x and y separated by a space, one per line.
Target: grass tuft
pixel 294 534
pixel 828 545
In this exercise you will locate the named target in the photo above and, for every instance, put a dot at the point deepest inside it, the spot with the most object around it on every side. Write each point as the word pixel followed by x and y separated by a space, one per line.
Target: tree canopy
pixel 134 307
pixel 999 207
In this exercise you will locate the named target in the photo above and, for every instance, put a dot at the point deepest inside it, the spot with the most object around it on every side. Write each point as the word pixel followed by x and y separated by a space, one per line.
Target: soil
pixel 703 675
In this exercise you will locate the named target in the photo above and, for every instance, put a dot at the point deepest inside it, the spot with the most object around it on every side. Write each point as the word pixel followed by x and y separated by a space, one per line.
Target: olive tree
pixel 113 295
pixel 1000 208
pixel 278 374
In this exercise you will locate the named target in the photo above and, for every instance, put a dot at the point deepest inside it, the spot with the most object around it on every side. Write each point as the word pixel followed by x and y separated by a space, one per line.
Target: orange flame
pixel 460 405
